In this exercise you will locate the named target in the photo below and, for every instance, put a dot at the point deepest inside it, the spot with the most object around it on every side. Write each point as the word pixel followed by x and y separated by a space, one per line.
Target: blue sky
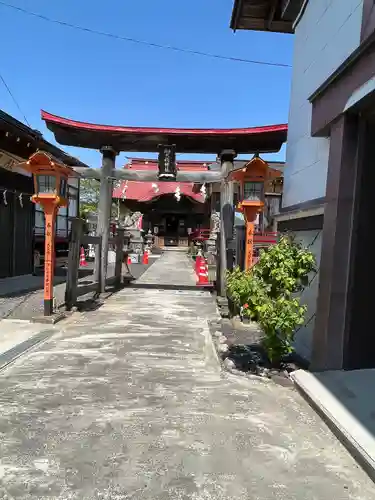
pixel 93 78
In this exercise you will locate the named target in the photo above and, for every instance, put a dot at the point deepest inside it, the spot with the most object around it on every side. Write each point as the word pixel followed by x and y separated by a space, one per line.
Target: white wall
pixel 326 35
pixel 303 338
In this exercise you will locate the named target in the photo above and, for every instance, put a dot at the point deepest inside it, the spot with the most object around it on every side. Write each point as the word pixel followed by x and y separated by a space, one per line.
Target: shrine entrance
pixel 225 144
pixel 175 231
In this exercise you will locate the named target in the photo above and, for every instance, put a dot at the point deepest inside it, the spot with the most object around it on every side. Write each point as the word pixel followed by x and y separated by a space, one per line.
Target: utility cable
pixel 314 240
pixel 14 100
pixel 141 42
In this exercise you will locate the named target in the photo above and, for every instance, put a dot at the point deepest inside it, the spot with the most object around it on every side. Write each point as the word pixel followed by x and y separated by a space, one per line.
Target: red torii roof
pixel 263 139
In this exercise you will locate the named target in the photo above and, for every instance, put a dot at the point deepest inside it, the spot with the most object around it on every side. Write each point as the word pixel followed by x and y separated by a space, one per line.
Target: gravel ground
pixel 30 304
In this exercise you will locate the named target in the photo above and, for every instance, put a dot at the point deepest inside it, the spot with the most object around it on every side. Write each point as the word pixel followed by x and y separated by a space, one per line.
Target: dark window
pixel 63 187
pixel 253 191
pixel 46 183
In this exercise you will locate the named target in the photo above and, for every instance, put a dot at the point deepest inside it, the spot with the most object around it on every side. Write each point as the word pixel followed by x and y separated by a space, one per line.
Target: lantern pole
pixel 50 212
pixel 250 215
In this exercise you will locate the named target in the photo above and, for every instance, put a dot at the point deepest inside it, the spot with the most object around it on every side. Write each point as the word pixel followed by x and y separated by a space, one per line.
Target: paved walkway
pixel 129 402
pixel 173 268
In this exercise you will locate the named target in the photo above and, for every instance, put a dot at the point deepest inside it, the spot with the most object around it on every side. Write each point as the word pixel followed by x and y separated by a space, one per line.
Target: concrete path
pixel 129 402
pixel 173 268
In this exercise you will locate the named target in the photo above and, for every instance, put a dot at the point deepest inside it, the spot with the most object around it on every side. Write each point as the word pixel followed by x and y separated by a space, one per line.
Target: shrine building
pixel 171 210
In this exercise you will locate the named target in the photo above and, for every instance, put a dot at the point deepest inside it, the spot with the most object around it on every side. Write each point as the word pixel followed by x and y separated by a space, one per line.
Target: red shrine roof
pixel 147 191
pixel 263 139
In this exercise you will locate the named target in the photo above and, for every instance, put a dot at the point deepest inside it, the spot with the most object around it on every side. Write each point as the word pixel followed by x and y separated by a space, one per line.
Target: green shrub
pixel 244 289
pixel 284 268
pixel 279 319
pixel 266 293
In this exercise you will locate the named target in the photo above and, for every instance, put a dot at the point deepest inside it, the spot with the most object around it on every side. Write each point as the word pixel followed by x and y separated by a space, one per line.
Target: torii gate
pixel 111 140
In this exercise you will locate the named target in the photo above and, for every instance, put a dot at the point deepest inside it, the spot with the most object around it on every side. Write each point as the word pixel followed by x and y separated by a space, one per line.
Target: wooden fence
pixel 74 288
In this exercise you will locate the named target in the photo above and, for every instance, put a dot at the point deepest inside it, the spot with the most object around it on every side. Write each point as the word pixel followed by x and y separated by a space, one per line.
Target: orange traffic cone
pixel 203 274
pixel 198 262
pixel 145 257
pixel 82 258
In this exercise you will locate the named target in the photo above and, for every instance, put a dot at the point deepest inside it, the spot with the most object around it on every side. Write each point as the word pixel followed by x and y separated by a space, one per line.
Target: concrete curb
pixel 339 420
pixel 18 350
pixel 20 292
pixel 27 290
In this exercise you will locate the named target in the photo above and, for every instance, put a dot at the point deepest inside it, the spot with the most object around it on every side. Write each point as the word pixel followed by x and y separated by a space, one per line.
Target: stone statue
pixel 132 221
pixel 131 226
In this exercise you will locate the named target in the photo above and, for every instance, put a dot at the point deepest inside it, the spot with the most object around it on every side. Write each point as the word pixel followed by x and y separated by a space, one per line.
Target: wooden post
pixel 98 256
pixel 218 265
pixel 73 263
pixel 240 246
pixel 104 213
pixel 226 217
pixel 119 255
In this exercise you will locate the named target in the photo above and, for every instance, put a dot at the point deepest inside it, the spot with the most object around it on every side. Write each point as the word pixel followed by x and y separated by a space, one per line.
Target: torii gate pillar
pixel 104 212
pixel 226 217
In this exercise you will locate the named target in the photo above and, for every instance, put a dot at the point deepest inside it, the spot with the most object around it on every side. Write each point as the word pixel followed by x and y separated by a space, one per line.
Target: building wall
pixel 303 340
pixel 326 35
pixel 16 223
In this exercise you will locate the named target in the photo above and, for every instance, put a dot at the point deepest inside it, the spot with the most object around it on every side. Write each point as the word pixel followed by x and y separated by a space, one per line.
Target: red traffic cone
pixel 145 257
pixel 203 274
pixel 198 262
pixel 82 258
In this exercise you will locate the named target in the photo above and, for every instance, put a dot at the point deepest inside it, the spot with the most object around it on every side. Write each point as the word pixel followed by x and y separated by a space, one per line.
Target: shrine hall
pixel 172 211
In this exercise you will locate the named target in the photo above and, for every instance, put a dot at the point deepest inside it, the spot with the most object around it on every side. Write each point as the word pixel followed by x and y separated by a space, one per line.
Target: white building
pixel 333 67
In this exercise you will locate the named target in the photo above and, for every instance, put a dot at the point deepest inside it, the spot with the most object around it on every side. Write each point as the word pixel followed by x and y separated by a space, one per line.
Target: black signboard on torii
pixel 167 163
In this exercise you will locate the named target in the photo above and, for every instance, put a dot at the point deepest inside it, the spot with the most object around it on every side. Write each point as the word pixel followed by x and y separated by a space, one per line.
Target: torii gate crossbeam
pixel 207 177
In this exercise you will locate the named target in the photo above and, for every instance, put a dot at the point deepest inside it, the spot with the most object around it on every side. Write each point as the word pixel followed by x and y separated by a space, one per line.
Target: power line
pixel 141 42
pixel 306 324
pixel 315 238
pixel 14 100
